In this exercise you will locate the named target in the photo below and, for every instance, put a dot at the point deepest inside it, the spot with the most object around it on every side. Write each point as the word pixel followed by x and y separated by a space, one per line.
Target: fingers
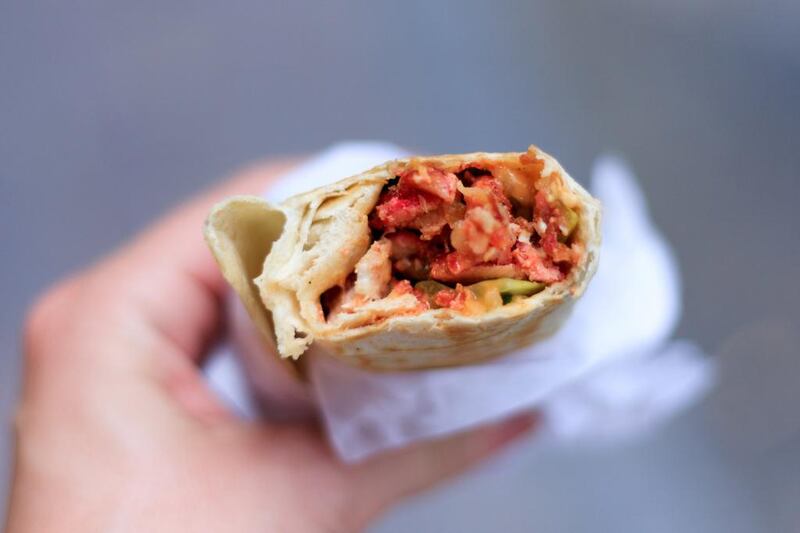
pixel 167 277
pixel 394 475
pixel 145 311
pixel 176 240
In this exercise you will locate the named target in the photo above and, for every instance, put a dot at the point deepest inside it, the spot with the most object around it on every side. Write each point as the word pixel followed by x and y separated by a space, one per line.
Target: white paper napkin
pixel 611 372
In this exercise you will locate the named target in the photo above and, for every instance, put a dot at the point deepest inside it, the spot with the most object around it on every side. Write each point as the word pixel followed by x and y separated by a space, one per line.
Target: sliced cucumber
pixel 494 293
pixel 507 286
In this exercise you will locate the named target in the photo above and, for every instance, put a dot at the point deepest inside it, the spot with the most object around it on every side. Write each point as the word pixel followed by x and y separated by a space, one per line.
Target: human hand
pixel 117 431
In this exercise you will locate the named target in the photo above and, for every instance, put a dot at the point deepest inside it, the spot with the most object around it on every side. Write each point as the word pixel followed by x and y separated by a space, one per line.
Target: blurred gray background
pixel 111 112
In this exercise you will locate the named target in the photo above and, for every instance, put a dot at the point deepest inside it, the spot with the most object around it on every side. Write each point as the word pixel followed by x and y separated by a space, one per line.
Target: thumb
pixel 391 476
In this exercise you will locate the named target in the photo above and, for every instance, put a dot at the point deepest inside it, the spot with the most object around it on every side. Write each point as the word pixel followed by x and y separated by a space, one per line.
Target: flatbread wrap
pixel 418 263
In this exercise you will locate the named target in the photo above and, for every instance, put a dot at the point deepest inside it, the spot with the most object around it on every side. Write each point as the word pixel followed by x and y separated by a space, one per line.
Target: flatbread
pixel 312 242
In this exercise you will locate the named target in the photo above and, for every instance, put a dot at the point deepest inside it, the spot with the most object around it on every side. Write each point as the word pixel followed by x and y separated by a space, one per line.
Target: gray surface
pixel 110 113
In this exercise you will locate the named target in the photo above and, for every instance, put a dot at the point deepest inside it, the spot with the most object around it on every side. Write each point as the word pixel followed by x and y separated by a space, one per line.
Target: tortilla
pixel 311 247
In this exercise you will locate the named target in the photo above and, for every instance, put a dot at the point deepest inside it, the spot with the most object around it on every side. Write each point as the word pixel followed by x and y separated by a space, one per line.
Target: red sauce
pixel 456 228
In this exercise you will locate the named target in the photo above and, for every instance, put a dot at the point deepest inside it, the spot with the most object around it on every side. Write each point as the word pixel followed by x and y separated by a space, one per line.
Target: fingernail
pixel 516 427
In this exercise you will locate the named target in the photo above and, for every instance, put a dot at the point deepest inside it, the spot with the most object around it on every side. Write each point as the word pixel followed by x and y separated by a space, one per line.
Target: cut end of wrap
pixel 240 232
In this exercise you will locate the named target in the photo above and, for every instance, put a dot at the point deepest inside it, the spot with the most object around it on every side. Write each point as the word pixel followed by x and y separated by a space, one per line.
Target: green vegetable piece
pixel 430 288
pixel 570 223
pixel 507 287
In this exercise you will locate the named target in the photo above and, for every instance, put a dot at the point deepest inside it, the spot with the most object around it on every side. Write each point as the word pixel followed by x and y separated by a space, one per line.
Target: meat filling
pixel 468 239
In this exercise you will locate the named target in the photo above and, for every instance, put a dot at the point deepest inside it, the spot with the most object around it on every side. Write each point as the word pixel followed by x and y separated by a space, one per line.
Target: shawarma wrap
pixel 418 263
